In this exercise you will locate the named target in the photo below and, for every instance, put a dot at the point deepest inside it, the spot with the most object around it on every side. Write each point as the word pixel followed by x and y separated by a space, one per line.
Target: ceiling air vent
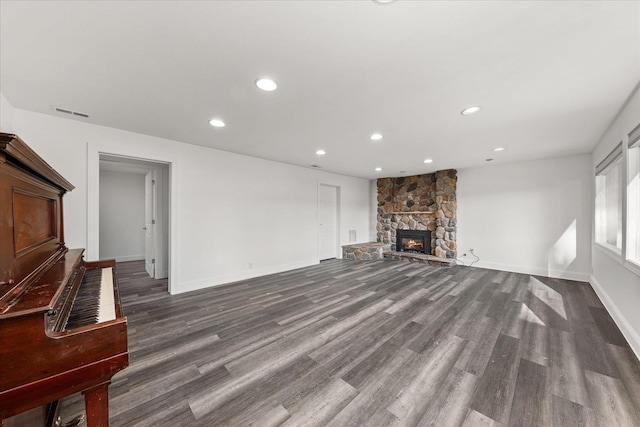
pixel 73 113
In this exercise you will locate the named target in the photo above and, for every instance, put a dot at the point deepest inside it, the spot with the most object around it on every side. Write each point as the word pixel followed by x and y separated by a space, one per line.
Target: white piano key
pixel 106 310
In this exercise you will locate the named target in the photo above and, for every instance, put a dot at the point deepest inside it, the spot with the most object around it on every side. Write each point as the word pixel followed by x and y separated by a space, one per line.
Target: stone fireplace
pixel 420 202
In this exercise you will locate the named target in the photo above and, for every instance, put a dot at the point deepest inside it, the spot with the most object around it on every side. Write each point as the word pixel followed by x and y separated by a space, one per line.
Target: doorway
pixel 328 221
pixel 134 203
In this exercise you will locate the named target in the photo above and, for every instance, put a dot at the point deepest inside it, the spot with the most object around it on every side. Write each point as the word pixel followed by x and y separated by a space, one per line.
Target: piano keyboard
pixel 94 302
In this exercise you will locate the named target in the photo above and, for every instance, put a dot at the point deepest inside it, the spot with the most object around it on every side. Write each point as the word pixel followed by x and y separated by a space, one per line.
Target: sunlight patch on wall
pixel 564 251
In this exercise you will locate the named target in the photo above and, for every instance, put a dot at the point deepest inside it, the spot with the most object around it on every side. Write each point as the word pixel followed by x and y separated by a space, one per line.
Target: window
pixel 633 197
pixel 617 204
pixel 609 186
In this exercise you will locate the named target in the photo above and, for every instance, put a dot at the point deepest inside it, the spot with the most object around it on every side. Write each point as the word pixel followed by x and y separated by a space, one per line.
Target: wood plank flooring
pixel 381 343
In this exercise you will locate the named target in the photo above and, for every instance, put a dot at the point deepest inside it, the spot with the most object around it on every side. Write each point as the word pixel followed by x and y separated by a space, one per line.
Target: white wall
pixel 6 115
pixel 121 215
pixel 531 217
pixel 617 286
pixel 214 195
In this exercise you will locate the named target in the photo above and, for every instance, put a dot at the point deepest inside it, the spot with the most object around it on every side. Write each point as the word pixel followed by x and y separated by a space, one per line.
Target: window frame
pixel 633 143
pixel 621 151
pixel 616 155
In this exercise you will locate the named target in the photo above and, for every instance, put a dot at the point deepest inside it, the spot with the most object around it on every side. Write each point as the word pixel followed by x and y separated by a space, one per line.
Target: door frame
pixel 150 249
pixel 94 151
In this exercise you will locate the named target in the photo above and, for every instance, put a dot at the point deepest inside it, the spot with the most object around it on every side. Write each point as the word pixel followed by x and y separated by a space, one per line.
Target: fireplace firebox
pixel 418 241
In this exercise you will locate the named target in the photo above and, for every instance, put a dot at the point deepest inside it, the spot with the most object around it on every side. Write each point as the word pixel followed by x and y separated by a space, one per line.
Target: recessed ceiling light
pixel 375 136
pixel 383 1
pixel 471 110
pixel 267 85
pixel 499 149
pixel 428 160
pixel 321 152
pixel 378 169
pixel 216 123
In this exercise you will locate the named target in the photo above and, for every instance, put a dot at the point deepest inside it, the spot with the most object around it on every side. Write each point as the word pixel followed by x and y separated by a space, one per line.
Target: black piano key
pixel 87 302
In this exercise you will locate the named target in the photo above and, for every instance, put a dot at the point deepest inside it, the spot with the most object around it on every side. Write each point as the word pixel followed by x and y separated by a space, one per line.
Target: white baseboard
pixel 537 271
pixel 129 258
pixel 242 275
pixel 623 324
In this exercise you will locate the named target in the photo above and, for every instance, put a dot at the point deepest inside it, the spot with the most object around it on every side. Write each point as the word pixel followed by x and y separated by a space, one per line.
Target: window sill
pixel 632 266
pixel 617 257
pixel 610 250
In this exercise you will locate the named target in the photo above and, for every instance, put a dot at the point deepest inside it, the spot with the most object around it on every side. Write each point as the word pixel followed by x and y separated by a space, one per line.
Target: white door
pixel 327 221
pixel 149 225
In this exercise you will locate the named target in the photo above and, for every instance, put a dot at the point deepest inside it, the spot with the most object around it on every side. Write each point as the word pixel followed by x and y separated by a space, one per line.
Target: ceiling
pixel 549 75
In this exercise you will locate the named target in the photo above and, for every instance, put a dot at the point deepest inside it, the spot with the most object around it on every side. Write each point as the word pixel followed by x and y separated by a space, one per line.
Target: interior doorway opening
pixel 134 212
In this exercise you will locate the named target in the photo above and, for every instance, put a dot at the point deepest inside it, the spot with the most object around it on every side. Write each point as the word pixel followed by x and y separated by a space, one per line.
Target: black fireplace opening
pixel 417 241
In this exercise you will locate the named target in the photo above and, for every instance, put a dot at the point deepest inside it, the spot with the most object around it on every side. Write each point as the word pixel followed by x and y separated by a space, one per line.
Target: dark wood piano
pixel 62 329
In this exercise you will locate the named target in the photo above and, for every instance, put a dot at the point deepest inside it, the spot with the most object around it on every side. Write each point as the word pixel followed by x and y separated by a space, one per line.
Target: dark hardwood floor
pixel 380 343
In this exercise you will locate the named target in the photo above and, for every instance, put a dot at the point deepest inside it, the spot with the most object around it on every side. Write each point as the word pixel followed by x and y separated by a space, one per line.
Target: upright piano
pixel 62 329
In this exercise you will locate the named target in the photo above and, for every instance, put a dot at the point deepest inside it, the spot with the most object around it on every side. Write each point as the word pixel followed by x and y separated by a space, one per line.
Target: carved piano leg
pixel 96 401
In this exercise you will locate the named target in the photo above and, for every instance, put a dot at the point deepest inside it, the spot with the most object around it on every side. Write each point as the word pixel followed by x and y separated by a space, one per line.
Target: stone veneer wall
pixel 420 202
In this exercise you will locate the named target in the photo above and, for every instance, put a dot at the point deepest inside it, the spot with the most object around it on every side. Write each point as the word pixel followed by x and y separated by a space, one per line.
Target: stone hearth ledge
pixel 365 251
pixel 376 250
pixel 422 258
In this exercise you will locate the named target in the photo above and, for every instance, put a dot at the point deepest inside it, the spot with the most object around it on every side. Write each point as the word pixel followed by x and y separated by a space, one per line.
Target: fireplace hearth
pixel 416 241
